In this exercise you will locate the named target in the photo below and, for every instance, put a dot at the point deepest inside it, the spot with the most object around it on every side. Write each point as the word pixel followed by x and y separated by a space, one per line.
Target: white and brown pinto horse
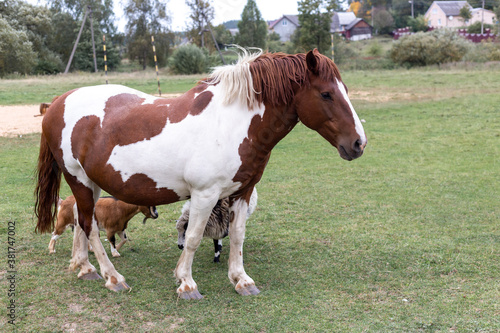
pixel 210 143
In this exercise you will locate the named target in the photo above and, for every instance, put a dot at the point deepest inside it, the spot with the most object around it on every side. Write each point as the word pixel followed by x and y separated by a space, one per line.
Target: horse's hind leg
pixel 80 254
pixel 86 197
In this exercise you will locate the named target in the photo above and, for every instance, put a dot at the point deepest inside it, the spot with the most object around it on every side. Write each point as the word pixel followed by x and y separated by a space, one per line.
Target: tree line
pixel 38 39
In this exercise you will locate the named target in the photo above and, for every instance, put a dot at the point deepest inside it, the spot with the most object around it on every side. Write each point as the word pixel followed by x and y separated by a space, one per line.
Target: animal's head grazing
pixel 322 104
pixel 149 212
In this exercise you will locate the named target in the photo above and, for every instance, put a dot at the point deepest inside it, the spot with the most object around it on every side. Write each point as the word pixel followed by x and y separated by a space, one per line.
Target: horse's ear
pixel 312 62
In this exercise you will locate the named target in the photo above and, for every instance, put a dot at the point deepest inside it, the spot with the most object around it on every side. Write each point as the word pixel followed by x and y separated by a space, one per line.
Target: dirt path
pixel 20 119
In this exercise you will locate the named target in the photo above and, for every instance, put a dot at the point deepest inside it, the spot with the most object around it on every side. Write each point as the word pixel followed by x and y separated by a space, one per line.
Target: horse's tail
pixel 47 188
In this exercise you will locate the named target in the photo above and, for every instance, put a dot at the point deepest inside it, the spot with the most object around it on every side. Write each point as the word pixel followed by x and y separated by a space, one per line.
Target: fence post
pixel 156 64
pixel 105 58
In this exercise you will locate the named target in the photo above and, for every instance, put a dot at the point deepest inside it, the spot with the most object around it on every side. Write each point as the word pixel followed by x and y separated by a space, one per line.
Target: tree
pixel 147 18
pixel 465 13
pixel 355 7
pixel 497 17
pixel 418 23
pixel 201 15
pixel 16 53
pixel 34 24
pixel 252 28
pixel 383 21
pixel 315 20
pixel 102 11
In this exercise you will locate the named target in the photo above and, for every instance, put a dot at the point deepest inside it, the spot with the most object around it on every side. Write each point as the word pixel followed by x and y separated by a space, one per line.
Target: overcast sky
pixel 225 10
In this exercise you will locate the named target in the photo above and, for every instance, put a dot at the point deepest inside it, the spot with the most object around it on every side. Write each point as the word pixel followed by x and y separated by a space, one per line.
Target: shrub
pixel 375 49
pixel 435 47
pixel 49 63
pixel 188 59
pixel 418 23
pixel 475 28
pixel 344 52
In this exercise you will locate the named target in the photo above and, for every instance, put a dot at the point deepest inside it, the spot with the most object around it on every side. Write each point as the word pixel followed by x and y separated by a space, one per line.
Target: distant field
pixel 405 239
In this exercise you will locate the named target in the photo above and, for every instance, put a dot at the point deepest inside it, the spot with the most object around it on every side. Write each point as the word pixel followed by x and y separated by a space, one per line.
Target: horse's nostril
pixel 357 146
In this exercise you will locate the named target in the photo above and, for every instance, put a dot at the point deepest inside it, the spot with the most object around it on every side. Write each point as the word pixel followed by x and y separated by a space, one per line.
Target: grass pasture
pixel 404 239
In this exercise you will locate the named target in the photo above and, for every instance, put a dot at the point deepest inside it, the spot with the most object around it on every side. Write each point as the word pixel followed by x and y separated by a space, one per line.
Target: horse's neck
pixel 276 123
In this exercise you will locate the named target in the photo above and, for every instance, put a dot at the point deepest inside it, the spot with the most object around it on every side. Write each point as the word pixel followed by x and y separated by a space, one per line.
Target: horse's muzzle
pixel 355 151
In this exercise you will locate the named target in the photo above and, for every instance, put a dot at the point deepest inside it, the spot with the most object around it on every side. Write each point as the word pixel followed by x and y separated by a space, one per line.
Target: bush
pixel 344 52
pixel 435 47
pixel 475 28
pixel 49 63
pixel 188 59
pixel 418 23
pixel 375 49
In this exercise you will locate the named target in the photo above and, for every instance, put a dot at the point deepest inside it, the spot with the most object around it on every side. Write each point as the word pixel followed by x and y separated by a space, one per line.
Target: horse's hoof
pixel 194 294
pixel 247 291
pixel 115 254
pixel 119 286
pixel 91 276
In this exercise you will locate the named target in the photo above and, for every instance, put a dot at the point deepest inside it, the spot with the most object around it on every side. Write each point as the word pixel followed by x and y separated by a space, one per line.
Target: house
pixel 285 26
pixel 486 15
pixel 447 14
pixel 340 20
pixel 358 29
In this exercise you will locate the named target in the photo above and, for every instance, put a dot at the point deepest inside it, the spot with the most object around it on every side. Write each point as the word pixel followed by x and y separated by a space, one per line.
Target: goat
pixel 217 225
pixel 113 216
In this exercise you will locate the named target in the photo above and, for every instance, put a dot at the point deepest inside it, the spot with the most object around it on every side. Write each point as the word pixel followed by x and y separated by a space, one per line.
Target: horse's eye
pixel 326 96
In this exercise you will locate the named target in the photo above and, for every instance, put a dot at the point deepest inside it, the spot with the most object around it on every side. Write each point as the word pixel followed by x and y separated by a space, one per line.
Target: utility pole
pixel 412 15
pixel 76 43
pixel 92 33
pixel 482 19
pixel 205 20
pixel 87 11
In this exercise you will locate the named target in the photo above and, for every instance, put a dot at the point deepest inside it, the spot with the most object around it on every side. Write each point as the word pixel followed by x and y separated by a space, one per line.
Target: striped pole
pixel 156 64
pixel 333 49
pixel 105 58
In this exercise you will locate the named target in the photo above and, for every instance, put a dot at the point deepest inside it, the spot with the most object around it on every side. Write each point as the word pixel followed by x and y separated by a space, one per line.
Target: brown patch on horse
pixel 201 102
pixel 275 75
pixel 83 135
pixel 139 188
pixel 113 280
pixel 255 150
pixel 122 112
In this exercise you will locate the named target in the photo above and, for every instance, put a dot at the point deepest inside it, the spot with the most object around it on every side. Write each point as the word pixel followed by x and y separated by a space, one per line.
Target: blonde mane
pixel 270 77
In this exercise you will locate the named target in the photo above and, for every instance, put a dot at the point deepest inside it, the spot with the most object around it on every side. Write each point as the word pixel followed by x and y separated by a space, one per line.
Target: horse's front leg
pixel 244 284
pixel 201 207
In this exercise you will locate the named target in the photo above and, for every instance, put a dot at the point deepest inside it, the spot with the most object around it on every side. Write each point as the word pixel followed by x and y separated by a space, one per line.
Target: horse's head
pixel 323 105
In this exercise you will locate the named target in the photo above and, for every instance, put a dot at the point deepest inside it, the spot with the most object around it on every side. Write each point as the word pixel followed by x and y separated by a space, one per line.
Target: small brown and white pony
pixel 210 143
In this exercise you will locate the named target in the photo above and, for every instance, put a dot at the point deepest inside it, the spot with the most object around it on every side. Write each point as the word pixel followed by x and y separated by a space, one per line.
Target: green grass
pixel 405 239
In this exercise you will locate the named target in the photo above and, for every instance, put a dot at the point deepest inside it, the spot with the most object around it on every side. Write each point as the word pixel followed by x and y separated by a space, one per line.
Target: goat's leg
pixel 244 284
pixel 123 239
pixel 58 231
pixel 112 244
pixel 202 204
pixel 217 249
pixel 64 219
